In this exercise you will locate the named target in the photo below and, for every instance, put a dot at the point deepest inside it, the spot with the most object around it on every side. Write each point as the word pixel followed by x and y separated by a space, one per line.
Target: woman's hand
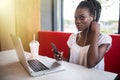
pixel 59 56
pixel 95 27
pixel 94 32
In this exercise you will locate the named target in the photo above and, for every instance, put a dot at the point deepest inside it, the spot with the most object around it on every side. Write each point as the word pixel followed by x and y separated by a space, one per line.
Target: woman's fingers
pixel 59 56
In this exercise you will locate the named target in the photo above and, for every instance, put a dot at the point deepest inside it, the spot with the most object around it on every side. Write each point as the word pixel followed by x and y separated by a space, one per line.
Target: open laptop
pixel 38 66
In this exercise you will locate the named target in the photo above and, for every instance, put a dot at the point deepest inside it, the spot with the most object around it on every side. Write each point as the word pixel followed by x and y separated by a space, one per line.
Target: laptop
pixel 35 66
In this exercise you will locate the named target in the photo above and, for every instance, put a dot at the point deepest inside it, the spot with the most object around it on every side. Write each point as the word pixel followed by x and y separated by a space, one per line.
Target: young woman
pixel 89 45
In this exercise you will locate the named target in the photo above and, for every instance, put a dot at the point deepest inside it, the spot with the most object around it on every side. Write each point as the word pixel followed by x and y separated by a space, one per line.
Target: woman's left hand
pixel 95 27
pixel 59 56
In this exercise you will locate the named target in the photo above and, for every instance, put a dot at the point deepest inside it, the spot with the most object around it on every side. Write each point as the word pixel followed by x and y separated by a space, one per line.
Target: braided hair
pixel 93 6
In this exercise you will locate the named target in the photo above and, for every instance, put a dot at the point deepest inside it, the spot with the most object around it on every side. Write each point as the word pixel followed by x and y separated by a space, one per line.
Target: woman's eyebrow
pixel 80 15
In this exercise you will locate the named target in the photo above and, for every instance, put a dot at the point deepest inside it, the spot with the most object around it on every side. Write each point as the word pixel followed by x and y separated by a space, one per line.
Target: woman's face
pixel 82 19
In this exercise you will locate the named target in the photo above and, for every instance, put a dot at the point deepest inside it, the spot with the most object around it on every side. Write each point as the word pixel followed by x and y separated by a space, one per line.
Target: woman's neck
pixel 84 33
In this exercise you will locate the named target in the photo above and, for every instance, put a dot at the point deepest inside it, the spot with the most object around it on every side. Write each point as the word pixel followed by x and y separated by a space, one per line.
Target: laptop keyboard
pixel 37 65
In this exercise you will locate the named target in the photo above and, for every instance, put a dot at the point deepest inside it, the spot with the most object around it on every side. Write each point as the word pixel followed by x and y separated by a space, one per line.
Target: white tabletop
pixel 11 69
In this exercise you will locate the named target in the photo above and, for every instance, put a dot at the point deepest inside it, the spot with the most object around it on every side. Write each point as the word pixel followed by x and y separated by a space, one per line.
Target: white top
pixel 78 54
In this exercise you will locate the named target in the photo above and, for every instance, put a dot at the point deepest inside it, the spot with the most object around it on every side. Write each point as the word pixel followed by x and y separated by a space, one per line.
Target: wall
pixel 19 17
pixel 51 15
pixel 7 23
pixel 27 20
pixel 46 14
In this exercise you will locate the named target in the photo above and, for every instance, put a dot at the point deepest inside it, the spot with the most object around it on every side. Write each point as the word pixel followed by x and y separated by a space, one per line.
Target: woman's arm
pixel 95 52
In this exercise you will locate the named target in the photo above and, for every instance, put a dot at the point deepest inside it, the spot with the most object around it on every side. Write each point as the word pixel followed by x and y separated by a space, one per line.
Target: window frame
pixel 119 20
pixel 57 15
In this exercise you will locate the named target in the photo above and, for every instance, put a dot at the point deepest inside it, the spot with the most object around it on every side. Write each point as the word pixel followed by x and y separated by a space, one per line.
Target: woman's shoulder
pixel 105 38
pixel 73 35
pixel 102 36
pixel 71 39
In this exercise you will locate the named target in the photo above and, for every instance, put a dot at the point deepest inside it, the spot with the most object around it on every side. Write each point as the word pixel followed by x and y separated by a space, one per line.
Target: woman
pixel 88 46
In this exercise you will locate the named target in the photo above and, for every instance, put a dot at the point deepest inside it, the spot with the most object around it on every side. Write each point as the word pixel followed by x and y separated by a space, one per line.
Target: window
pixel 109 15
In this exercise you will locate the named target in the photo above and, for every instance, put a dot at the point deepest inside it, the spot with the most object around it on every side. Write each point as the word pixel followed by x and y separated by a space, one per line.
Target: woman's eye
pixel 81 17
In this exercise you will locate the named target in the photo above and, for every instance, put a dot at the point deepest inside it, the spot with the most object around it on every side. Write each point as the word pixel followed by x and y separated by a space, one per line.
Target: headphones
pixel 91 18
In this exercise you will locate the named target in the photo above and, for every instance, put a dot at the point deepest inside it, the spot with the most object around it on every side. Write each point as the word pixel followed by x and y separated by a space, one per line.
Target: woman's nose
pixel 78 21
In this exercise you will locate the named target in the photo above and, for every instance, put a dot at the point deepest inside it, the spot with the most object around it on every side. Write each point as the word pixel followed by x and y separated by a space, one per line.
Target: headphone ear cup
pixel 91 18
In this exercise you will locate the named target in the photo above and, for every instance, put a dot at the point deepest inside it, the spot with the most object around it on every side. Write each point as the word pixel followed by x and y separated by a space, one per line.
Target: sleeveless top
pixel 78 54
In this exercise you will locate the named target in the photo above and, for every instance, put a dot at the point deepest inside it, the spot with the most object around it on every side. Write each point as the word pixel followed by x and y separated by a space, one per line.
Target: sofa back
pixel 112 57
pixel 58 38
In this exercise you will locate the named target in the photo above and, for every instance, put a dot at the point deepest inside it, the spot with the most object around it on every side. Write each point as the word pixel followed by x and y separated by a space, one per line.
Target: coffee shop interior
pixel 24 18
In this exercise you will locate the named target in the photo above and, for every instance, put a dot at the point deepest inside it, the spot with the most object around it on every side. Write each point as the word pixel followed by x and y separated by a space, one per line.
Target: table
pixel 11 69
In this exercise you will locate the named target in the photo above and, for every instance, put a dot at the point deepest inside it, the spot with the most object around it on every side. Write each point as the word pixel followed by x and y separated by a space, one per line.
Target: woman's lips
pixel 79 26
